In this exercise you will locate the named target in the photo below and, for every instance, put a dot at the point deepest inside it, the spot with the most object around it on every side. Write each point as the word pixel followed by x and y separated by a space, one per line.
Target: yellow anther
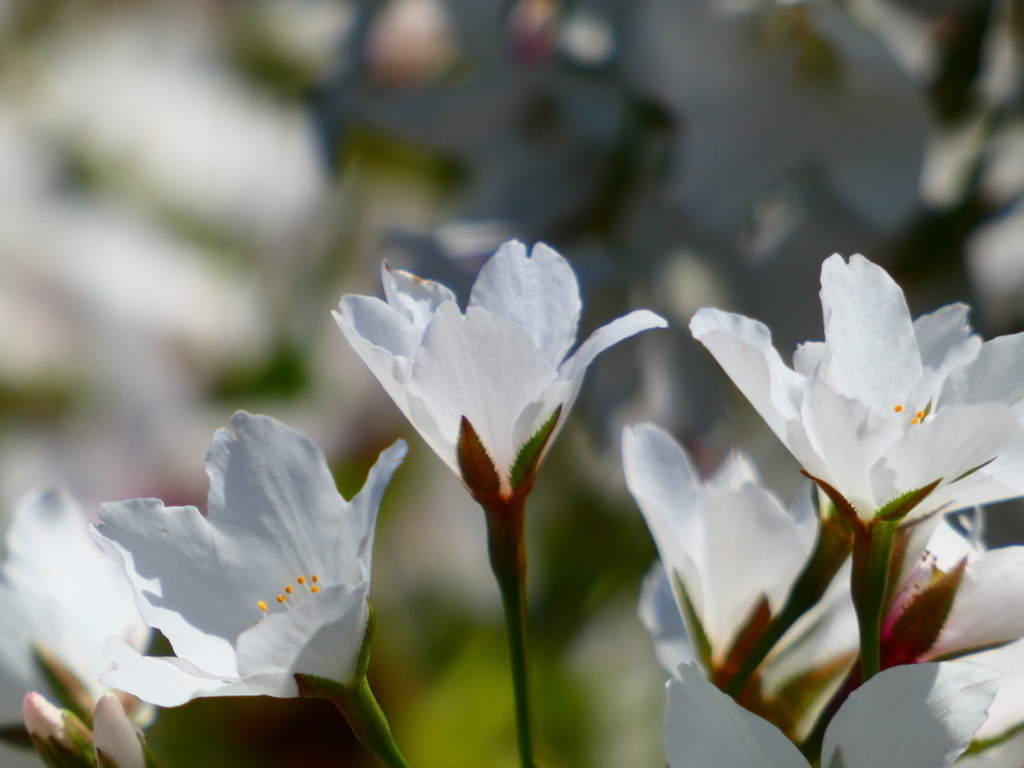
pixel 314 589
pixel 288 589
pixel 919 415
pixel 302 579
pixel 315 578
pixel 898 408
pixel 262 605
pixel 280 598
pixel 915 420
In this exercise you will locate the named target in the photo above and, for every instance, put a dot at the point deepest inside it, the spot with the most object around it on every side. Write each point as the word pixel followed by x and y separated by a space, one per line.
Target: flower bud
pixel 62 740
pixel 118 742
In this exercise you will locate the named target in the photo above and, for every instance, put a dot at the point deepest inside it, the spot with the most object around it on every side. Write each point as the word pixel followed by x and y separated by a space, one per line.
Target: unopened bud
pixel 42 719
pixel 61 738
pixel 118 741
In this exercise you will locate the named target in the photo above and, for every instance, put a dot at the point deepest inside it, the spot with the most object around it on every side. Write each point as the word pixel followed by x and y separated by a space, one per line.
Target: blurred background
pixel 188 186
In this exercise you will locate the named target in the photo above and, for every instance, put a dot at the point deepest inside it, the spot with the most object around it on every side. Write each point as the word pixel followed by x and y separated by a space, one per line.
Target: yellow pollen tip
pixel 280 598
pixel 262 605
pixel 314 589
pixel 919 415
pixel 288 589
pixel 915 420
pixel 315 578
pixel 302 579
pixel 898 408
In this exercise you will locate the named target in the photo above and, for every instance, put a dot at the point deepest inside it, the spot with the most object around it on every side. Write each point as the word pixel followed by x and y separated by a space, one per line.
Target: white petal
pixel 667 489
pixel 809 356
pixel 704 728
pixel 275 483
pixel 955 440
pixel 320 636
pixel 743 348
pixel 175 561
pixel 115 735
pixel 873 353
pixel 848 436
pixel 383 339
pixel 608 336
pixel 538 293
pixel 415 298
pixel 481 366
pixel 946 342
pixel 1007 711
pixel 360 520
pixel 1002 479
pixel 659 613
pixel 166 681
pixel 994 374
pixel 913 716
pixel 987 607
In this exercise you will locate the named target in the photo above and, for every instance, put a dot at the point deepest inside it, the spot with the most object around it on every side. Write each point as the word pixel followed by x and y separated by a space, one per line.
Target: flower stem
pixel 369 723
pixel 505 528
pixel 873 547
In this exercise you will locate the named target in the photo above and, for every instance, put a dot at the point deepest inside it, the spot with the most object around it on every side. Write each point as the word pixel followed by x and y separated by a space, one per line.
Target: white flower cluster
pixel 859 627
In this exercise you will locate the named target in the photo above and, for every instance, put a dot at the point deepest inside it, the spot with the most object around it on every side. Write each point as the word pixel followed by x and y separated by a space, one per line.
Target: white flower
pixel 273 582
pixel 59 595
pixel 731 554
pixel 884 405
pixel 502 365
pixel 726 542
pixel 917 716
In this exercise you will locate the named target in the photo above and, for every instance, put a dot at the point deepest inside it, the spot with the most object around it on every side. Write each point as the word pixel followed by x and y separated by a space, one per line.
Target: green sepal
pixel 68 691
pixel 70 748
pixel 80 735
pixel 694 628
pixel 902 505
pixel 477 468
pixel 972 470
pixel 524 469
pixel 147 755
pixel 843 507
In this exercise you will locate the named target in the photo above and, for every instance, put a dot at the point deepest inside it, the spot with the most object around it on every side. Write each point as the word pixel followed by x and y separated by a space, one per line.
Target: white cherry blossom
pixel 916 716
pixel 271 583
pixel 59 595
pixel 713 535
pixel 504 364
pixel 885 405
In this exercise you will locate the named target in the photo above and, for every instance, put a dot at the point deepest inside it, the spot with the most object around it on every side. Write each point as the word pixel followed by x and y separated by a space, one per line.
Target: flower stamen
pixel 314 589
pixel 288 589
pixel 262 606
pixel 898 408
pixel 280 598
pixel 301 580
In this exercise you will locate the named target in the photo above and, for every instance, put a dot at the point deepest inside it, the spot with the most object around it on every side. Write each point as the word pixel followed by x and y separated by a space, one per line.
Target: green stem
pixel 872 562
pixel 369 723
pixel 834 543
pixel 505 527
